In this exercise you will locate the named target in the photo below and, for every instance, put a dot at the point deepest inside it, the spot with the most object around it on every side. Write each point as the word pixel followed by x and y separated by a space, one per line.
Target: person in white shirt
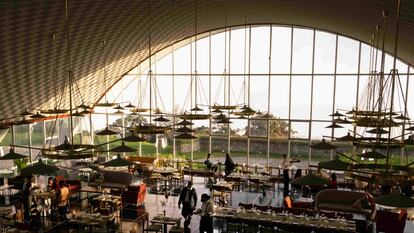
pixel 285 166
pixel 206 211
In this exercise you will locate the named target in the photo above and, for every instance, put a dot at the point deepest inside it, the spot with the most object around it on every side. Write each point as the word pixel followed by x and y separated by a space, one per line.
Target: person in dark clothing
pixel 229 165
pixel 210 165
pixel 406 187
pixel 27 200
pixel 285 166
pixel 188 198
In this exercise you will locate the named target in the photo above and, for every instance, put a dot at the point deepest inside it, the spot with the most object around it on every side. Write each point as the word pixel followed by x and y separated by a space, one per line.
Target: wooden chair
pixel 263 208
pixel 347 216
pixel 153 228
pixel 176 229
pixel 277 210
pixel 245 206
pixel 390 222
pixel 327 214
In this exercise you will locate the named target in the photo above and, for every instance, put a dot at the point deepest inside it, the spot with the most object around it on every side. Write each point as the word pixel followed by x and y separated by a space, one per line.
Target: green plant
pixel 20 163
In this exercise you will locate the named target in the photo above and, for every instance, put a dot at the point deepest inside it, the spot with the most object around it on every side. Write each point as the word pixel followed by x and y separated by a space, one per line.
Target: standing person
pixel 27 200
pixel 229 165
pixel 63 204
pixel 285 166
pixel 188 197
pixel 206 211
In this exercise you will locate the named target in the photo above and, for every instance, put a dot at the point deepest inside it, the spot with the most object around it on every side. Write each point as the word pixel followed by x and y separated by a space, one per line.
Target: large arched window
pixel 296 77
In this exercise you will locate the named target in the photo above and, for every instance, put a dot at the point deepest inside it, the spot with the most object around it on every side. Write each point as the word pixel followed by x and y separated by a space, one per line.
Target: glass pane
pixel 281 44
pixel 346 87
pixel 301 96
pixel 22 134
pixel 5 140
pixel 325 44
pixel 365 58
pixel 279 96
pixel 258 128
pixel 182 60
pixel 279 129
pixel 302 51
pixel 203 56
pixel 164 64
pixel 319 130
pixel 347 55
pixel 219 129
pixel 259 92
pixel 322 97
pixel 259 60
pixel 182 93
pixel 410 101
pixel 217 53
pixel 258 154
pixel 238 49
pixel 164 93
pixel 37 134
pixel 299 130
pixel 238 127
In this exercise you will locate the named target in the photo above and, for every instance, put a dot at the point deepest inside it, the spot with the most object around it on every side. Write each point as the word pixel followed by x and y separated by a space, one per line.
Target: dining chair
pixel 176 229
pixel 153 228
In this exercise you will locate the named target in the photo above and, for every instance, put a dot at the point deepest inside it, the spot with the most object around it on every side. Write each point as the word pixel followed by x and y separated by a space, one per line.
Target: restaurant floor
pixel 154 205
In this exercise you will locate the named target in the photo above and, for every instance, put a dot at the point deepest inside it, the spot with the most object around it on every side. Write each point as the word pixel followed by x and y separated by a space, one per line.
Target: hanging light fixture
pixel 130 105
pixel 106 131
pixel 185 136
pixel 133 138
pixel 150 127
pixel 185 122
pixel 323 145
pixel 37 115
pixel 123 148
pixel 196 113
pixel 25 113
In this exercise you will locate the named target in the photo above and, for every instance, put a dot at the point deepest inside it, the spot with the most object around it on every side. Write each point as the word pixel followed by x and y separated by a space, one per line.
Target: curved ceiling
pixel 26 26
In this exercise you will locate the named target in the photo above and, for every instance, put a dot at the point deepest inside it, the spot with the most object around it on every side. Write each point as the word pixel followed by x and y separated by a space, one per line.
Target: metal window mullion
pixel 209 92
pixel 268 96
pixel 334 90
pixel 91 129
pixel 44 132
pixel 403 154
pixel 248 95
pixel 357 91
pixel 157 154
pixel 311 99
pixel 290 89
pixel 229 87
pixel 191 92
pixel 29 126
pixel 173 100
pixel 139 99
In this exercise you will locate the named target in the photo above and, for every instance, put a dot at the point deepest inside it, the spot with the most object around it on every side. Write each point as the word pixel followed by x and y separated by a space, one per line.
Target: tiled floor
pixel 154 207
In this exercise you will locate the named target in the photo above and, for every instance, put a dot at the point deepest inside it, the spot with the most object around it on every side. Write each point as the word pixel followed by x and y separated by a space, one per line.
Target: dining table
pixel 90 220
pixel 108 201
pixel 286 220
pixel 166 173
pixel 165 221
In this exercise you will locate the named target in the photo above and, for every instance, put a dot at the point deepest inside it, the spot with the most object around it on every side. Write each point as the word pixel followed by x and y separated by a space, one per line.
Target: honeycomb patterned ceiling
pixel 27 79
